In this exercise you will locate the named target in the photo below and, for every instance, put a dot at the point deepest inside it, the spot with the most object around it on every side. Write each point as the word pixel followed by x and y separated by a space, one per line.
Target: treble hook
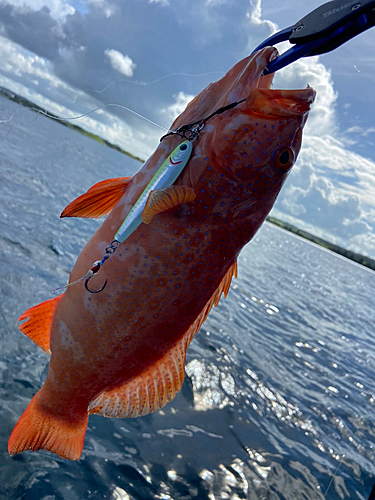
pixel 94 291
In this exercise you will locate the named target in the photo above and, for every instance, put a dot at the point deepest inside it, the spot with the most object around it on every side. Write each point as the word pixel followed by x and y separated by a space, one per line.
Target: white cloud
pixel 181 101
pixel 331 193
pixel 164 3
pixel 33 96
pixel 59 8
pixel 255 18
pixel 36 70
pixel 119 62
pixel 360 131
pixel 101 122
pixel 108 9
pixel 216 2
pixel 18 63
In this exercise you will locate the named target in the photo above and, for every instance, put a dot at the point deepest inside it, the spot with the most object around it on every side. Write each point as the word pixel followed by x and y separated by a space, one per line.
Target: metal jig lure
pixel 164 177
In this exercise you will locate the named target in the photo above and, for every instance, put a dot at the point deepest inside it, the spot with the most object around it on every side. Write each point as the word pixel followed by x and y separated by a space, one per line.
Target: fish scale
pixel 121 352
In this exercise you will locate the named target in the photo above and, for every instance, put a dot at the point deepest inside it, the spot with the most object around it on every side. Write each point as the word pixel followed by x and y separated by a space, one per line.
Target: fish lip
pixel 265 56
pixel 280 102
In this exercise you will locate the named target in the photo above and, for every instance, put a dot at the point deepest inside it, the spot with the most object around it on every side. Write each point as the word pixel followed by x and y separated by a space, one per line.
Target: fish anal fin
pixel 39 322
pixel 38 429
pixel 164 199
pixel 99 200
pixel 147 392
pixel 155 387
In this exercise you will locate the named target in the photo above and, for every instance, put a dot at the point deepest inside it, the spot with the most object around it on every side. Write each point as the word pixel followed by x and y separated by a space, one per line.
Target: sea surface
pixel 279 396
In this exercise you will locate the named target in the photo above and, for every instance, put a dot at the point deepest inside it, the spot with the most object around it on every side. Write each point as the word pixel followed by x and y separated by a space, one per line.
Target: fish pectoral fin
pixel 164 199
pixel 155 387
pixel 39 322
pixel 99 200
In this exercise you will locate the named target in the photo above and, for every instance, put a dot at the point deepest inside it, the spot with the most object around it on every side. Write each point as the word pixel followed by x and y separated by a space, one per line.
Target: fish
pixel 121 353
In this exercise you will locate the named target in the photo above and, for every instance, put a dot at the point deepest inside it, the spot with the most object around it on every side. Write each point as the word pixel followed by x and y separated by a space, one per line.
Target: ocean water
pixel 278 401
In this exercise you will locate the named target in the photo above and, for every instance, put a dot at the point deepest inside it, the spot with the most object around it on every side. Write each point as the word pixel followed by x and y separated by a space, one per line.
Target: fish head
pixel 254 144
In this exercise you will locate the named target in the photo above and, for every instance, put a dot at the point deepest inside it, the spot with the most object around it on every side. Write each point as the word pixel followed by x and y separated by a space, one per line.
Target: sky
pixel 152 56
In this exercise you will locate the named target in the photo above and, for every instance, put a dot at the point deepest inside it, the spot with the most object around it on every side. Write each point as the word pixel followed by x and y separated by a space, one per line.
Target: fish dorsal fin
pixel 99 200
pixel 164 199
pixel 39 322
pixel 155 387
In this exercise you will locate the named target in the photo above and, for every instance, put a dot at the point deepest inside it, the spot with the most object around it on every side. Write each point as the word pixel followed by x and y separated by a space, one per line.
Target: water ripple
pixel 279 395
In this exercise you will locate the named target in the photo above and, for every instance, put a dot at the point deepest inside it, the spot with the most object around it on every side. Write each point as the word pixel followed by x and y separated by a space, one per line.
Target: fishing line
pixel 9 131
pixel 147 84
pixel 333 477
pixel 9 119
pixel 372 494
pixel 10 126
pixel 77 117
pixel 121 106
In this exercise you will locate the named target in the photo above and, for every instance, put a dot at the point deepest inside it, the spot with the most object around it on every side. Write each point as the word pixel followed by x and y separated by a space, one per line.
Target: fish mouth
pixel 261 59
pixel 249 82
pixel 246 82
pixel 260 98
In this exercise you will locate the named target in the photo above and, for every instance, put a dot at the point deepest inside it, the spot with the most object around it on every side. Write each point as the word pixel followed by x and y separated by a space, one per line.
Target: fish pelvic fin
pixel 164 199
pixel 39 322
pixel 99 200
pixel 154 388
pixel 38 429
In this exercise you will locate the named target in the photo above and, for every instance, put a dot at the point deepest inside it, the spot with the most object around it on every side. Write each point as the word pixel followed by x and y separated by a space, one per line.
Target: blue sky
pixel 153 55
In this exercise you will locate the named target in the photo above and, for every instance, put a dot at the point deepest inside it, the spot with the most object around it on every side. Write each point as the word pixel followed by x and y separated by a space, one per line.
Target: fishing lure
pixel 164 177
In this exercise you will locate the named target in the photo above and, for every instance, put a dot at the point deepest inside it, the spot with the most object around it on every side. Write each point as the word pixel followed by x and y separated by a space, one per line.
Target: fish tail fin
pixel 38 429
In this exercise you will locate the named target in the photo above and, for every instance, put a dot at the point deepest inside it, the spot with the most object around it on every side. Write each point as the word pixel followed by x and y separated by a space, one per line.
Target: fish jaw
pixel 232 87
pixel 246 80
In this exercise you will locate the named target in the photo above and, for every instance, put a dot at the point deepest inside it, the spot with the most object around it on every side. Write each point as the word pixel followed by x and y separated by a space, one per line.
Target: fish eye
pixel 183 147
pixel 283 158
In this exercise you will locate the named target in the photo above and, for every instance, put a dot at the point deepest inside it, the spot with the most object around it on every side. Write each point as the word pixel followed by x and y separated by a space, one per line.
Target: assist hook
pixel 94 291
pixel 111 248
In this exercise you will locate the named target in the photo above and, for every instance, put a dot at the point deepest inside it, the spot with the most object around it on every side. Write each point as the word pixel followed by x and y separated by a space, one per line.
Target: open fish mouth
pixel 280 102
pixel 246 81
pixel 252 84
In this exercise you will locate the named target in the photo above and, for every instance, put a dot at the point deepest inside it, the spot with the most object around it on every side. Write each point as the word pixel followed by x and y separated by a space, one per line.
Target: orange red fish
pixel 121 353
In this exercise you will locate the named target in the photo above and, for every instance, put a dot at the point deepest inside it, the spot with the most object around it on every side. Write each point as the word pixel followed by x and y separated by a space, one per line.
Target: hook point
pixel 94 291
